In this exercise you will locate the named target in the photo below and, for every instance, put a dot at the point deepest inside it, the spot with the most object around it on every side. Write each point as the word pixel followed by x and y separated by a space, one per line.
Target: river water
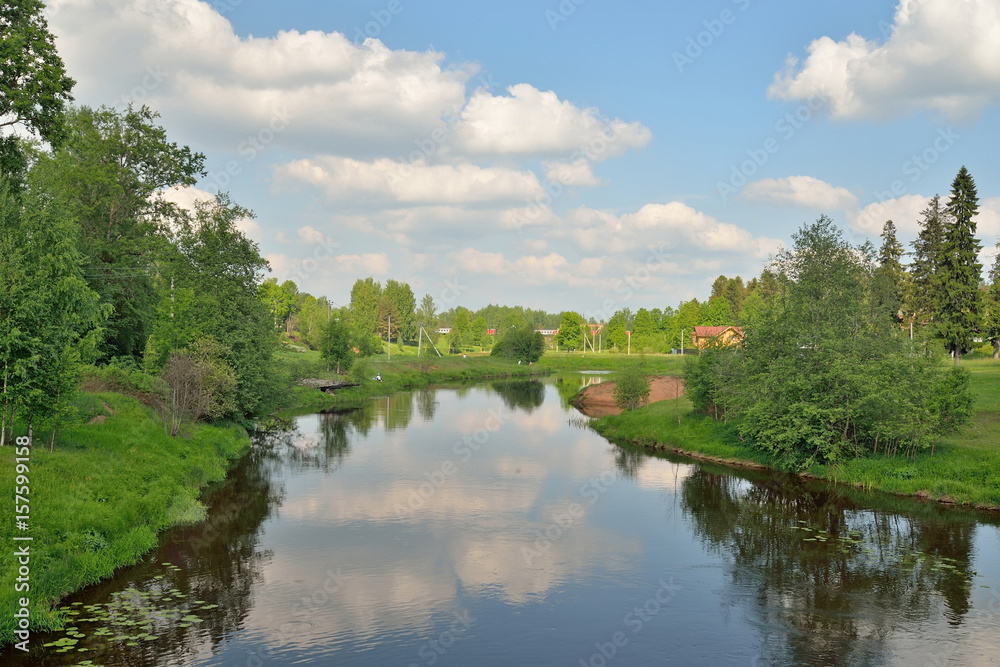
pixel 486 525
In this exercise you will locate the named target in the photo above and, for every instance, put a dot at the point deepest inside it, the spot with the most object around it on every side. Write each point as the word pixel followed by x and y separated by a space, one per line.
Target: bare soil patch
pixel 598 400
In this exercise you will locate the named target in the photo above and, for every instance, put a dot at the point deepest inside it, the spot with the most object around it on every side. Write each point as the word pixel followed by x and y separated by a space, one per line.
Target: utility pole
pixel 629 336
pixel 388 339
pixel 682 341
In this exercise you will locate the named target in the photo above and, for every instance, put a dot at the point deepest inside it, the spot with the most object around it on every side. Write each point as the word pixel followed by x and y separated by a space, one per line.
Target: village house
pixel 703 337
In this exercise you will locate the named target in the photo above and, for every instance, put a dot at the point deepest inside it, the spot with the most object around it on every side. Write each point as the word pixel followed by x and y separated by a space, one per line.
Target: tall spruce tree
pixel 923 295
pixel 890 275
pixel 961 272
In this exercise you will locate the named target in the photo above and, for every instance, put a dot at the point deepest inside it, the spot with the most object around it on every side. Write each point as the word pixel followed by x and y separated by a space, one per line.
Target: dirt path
pixel 598 400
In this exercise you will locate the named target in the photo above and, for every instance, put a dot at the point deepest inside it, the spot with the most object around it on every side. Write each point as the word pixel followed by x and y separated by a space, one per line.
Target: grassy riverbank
pixel 399 374
pixel 964 468
pixel 98 502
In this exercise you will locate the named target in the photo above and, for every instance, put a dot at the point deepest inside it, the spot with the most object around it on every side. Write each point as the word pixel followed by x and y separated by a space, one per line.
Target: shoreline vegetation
pixel 100 500
pixel 962 469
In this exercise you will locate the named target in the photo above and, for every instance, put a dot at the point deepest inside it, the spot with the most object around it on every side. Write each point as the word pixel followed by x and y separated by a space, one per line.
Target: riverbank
pixel 963 469
pixel 406 374
pixel 99 501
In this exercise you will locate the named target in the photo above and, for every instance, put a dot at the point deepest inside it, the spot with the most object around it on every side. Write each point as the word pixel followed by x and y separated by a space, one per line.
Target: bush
pixel 631 386
pixel 360 370
pixel 521 344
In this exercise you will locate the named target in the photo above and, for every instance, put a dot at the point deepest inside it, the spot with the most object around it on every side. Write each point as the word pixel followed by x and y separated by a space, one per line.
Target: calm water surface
pixel 486 526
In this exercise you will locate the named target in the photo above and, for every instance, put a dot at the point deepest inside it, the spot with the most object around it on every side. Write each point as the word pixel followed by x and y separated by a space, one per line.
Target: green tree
pixel 631 386
pixel 924 295
pixel 460 329
pixel 218 270
pixel 427 314
pixel 404 303
pixel 688 317
pixel 389 321
pixel 614 331
pixel 478 332
pixel 825 374
pixel 890 272
pixel 34 87
pixel 959 308
pixel 365 295
pixel 279 299
pixel 571 326
pixel 521 344
pixel 49 317
pixel 753 309
pixel 110 172
pixel 717 313
pixel 336 345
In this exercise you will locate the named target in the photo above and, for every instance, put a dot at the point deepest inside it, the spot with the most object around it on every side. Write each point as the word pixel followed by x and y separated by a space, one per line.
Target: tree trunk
pixel 996 348
pixel 958 355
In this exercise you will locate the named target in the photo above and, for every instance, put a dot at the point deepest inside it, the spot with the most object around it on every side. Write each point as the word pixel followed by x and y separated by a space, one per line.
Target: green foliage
pixel 952 401
pixel 404 304
pixel 49 317
pixel 214 272
pixel 717 313
pixel 335 345
pixel 825 375
pixel 461 330
pixel 34 88
pixel 365 295
pixel 924 291
pixel 958 307
pixel 522 345
pixel 571 331
pixel 109 173
pixel 631 386
pixel 109 488
pixel 360 370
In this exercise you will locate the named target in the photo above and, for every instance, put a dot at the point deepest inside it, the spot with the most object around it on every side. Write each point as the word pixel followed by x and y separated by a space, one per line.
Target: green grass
pixel 99 500
pixel 656 364
pixel 963 468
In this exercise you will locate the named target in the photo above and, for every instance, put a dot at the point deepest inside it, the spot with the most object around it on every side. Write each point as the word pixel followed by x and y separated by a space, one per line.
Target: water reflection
pixel 525 395
pixel 355 537
pixel 825 580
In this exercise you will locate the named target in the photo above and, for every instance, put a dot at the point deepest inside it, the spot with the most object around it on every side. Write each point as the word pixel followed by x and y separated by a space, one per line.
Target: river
pixel 487 525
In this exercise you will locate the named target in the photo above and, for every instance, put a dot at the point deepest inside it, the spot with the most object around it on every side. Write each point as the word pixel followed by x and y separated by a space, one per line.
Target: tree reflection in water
pixel 827 581
pixel 526 395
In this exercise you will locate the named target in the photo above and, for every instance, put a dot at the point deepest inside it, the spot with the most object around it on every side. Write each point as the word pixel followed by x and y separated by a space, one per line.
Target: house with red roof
pixel 703 337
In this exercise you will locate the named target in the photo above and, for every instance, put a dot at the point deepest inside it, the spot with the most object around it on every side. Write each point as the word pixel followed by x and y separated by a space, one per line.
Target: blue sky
pixel 581 155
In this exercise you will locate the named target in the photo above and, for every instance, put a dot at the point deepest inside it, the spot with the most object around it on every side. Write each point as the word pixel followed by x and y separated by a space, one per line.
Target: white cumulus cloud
pixel 941 55
pixel 803 191
pixel 388 181
pixel 529 121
